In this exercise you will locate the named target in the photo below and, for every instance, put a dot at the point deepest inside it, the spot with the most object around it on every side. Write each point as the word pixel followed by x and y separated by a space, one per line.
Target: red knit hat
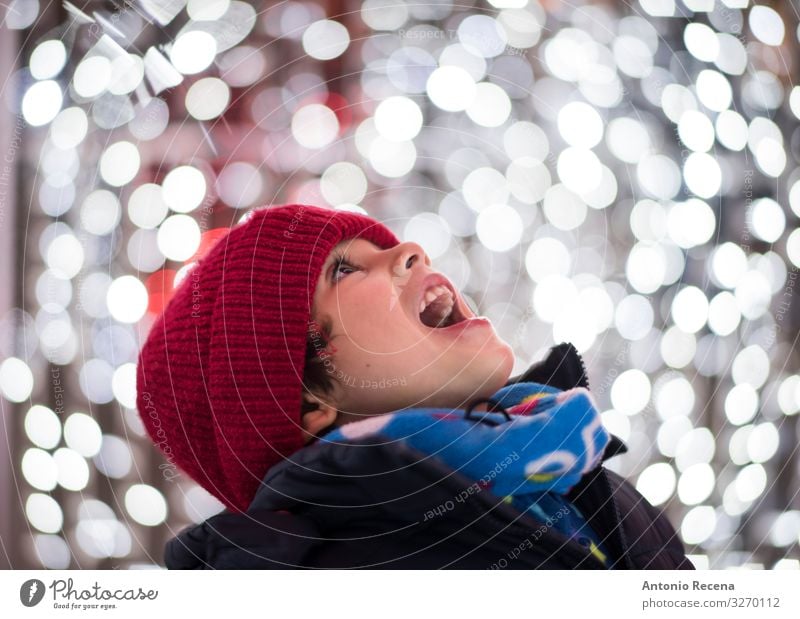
pixel 219 379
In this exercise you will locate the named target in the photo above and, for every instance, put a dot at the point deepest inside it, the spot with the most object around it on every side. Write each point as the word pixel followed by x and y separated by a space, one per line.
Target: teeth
pixel 432 294
pixel 443 307
pixel 435 292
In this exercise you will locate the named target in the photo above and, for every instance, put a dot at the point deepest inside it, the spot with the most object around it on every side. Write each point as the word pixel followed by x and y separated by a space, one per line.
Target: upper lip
pixel 437 279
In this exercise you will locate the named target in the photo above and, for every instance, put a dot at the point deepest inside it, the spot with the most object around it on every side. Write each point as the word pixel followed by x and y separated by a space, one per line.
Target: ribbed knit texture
pixel 219 378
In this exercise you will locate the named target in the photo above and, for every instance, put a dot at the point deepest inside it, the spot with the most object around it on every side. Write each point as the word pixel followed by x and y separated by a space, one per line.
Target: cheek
pixel 375 309
pixel 379 336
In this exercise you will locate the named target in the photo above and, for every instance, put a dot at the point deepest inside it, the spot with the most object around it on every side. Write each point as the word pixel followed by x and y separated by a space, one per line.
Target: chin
pixel 506 366
pixel 491 369
pixel 503 354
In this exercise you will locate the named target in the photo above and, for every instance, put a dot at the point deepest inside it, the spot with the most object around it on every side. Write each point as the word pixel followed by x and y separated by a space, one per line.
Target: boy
pixel 368 418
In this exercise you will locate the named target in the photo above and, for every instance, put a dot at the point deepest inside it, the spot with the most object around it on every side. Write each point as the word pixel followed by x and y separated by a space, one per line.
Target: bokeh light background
pixel 624 176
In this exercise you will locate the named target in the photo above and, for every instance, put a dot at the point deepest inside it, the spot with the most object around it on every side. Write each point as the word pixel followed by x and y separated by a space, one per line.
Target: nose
pixel 407 254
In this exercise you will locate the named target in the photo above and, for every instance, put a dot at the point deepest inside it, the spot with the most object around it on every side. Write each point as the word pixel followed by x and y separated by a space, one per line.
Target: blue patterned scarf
pixel 531 454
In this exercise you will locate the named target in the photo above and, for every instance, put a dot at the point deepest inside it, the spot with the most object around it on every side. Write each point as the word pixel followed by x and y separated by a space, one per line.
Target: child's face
pixel 382 357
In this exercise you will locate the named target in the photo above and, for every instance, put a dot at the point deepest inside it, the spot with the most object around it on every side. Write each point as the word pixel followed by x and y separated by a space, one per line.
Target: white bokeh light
pixel 123 384
pixel 39 469
pixel 714 90
pixel 528 179
pixel 552 296
pixel 325 39
pixel 451 88
pixel 315 125
pixel 698 524
pixel 490 105
pixel 207 10
pixel 751 365
pixel 499 227
pixel 690 309
pixel 630 391
pixel 343 183
pixel 146 505
pixel 430 231
pixel 398 118
pixel 392 159
pixel 751 482
pixel 239 184
pixel 547 256
pixel 766 24
pixel 691 223
pixel 580 124
pixel 767 219
pixel 657 483
pixel 696 131
pixel 41 103
pixel 482 35
pixel 69 128
pixel 92 76
pixel 483 187
pixel 563 207
pixel 696 483
pixel 634 317
pixel 696 446
pixel 119 164
pixel 146 206
pixel 183 189
pixel 16 380
pixel 73 471
pixel 42 426
pixel 674 396
pixel 741 404
pixel 127 299
pixel 728 264
pixel 82 433
pixel 100 212
pixel 723 313
pixel 193 52
pixel 579 169
pixel 44 513
pixel 48 59
pixel 701 41
pixel 207 98
pixel 179 237
pixel 703 174
pixel 731 130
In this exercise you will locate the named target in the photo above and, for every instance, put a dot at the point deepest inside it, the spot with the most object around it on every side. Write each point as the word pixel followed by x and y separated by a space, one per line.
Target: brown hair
pixel 316 378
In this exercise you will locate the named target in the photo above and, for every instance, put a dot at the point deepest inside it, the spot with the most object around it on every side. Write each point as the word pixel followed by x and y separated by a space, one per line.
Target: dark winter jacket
pixel 389 506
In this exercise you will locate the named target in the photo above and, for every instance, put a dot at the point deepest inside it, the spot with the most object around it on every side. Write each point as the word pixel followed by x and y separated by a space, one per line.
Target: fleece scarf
pixel 531 447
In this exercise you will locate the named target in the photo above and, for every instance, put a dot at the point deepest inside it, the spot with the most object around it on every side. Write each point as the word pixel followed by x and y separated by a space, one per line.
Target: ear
pixel 315 421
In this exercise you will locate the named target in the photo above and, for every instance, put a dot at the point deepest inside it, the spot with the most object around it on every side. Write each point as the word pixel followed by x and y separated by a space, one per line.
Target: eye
pixel 340 263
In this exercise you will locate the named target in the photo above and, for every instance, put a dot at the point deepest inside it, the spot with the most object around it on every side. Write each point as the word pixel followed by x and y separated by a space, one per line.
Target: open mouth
pixel 439 308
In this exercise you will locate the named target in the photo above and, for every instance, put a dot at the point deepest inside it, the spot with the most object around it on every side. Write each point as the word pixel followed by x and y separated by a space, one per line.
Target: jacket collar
pixel 563 368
